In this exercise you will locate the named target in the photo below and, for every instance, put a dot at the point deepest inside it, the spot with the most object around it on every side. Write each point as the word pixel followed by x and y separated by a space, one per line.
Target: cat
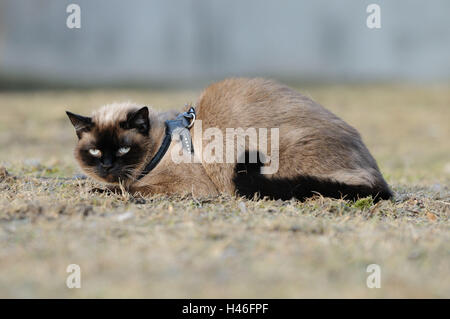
pixel 316 152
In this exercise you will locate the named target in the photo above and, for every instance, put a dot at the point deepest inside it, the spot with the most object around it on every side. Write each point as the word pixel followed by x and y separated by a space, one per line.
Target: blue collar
pixel 181 125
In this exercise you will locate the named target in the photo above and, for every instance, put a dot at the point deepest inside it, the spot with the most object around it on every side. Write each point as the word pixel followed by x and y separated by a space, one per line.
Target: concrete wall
pixel 161 41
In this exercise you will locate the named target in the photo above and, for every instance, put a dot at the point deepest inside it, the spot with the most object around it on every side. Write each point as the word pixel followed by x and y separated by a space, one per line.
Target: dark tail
pixel 249 181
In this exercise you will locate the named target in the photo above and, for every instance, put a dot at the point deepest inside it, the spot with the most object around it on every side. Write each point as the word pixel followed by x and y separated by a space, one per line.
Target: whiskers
pixel 91 171
pixel 125 174
pixel 128 173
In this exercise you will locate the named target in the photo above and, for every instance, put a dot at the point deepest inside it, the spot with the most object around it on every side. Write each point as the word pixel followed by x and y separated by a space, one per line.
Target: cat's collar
pixel 180 125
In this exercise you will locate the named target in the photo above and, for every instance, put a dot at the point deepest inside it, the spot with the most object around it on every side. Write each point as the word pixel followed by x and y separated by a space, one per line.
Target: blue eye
pixel 123 150
pixel 95 152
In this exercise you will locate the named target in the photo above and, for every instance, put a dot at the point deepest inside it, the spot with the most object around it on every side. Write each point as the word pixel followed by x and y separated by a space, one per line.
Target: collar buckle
pixel 182 124
pixel 190 114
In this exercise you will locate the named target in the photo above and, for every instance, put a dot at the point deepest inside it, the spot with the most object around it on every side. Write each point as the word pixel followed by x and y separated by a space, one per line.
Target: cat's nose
pixel 107 165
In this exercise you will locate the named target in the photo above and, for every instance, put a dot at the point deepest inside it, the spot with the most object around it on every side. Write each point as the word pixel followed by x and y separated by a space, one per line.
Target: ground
pixel 225 247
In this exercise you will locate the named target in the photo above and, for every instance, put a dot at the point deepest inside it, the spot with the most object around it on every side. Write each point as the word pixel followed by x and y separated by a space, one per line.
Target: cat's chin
pixel 111 178
pixel 115 179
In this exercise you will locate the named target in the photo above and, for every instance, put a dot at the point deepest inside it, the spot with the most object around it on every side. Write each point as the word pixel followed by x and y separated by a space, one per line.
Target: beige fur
pixel 313 141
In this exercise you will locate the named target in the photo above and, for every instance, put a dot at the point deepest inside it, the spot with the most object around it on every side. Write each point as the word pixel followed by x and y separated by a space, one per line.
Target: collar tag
pixel 180 125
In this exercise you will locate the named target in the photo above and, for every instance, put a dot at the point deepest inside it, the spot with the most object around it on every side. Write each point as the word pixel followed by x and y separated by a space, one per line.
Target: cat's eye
pixel 95 152
pixel 123 150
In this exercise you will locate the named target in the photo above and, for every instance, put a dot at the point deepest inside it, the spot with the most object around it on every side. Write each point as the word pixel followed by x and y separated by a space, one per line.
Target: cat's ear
pixel 81 123
pixel 138 120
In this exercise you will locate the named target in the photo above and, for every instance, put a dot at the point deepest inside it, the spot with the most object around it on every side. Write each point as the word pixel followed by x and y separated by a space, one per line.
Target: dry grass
pixel 226 247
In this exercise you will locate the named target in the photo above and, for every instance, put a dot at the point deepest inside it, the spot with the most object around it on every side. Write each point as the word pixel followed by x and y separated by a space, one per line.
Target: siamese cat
pixel 316 152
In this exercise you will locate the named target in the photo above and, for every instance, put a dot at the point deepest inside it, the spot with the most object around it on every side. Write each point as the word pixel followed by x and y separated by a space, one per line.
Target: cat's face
pixel 114 150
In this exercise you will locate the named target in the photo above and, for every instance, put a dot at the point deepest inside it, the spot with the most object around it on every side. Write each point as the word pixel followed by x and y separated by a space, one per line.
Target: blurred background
pixel 391 84
pixel 188 43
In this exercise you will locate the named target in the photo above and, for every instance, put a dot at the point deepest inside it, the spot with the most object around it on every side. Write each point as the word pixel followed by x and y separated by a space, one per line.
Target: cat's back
pixel 313 141
pixel 256 102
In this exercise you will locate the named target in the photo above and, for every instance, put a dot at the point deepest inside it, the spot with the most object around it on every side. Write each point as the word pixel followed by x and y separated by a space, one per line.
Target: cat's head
pixel 114 142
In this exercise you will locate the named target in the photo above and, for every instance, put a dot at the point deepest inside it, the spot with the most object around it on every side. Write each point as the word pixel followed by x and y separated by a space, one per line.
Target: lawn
pixel 225 247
